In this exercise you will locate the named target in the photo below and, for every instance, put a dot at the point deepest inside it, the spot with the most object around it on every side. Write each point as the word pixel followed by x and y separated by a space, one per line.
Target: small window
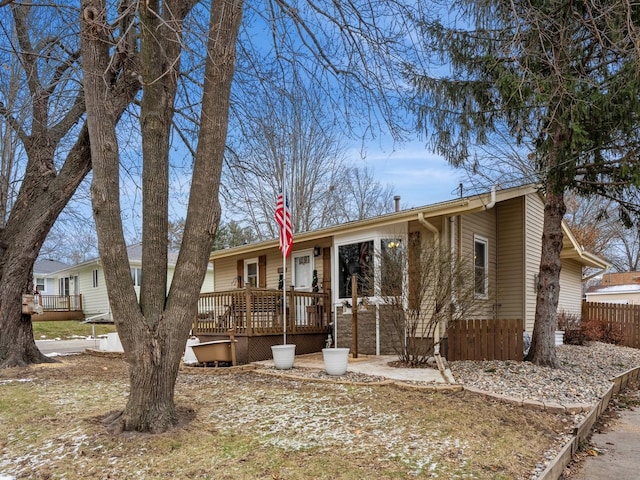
pixel 481 264
pixel 40 285
pixel 95 278
pixel 136 276
pixel 251 272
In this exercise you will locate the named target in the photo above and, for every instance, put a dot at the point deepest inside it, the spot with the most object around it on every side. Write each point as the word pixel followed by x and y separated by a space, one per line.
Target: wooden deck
pixel 59 307
pixel 255 317
pixel 257 311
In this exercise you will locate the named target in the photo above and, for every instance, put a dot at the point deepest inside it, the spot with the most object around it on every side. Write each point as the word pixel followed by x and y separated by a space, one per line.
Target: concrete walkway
pixel 619 451
pixel 371 365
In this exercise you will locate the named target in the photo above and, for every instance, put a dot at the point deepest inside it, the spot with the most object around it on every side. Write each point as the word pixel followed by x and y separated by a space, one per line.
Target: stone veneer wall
pixel 366 332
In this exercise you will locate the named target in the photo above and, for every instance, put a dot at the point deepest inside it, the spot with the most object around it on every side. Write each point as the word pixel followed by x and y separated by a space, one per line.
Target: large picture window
pixel 356 259
pixel 481 267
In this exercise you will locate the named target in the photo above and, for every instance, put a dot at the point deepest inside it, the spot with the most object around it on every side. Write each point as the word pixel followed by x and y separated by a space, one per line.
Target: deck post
pixel 354 316
pixel 327 308
pixel 232 337
pixel 292 310
pixel 248 315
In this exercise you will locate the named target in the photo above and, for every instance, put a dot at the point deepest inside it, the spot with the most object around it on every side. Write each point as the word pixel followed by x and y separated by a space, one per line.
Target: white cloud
pixel 419 176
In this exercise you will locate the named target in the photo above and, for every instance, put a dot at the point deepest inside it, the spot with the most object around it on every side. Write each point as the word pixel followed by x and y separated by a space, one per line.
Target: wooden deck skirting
pixel 258 311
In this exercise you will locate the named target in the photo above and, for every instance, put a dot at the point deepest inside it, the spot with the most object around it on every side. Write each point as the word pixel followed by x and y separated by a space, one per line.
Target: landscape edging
pixel 583 430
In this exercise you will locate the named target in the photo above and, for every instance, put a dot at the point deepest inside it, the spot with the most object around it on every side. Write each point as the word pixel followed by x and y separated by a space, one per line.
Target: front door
pixel 303 270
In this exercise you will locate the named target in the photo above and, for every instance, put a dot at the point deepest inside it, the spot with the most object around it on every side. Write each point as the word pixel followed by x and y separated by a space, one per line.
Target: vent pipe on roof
pixel 396 199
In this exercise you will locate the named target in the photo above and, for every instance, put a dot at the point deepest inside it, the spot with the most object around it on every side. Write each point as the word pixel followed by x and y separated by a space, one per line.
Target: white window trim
pixel 485 241
pixel 94 278
pixel 375 234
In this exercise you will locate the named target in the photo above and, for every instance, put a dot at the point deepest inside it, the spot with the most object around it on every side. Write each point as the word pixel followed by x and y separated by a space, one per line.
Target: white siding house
pixel 87 279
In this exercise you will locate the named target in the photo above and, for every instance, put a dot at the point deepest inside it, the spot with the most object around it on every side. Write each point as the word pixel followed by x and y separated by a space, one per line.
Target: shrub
pixel 598 330
pixel 574 333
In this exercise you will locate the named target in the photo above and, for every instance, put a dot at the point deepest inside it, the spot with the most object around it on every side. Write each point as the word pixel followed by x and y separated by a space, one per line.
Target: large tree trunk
pixel 45 190
pixel 542 350
pixel 154 329
pixel 42 197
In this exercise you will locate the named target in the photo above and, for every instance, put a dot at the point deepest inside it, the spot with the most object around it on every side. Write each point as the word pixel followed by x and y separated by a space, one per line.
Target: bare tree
pixel 154 328
pixel 293 136
pixel 56 149
pixel 424 291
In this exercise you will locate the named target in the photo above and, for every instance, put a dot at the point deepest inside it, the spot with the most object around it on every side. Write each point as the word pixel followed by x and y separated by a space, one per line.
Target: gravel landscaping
pixel 583 377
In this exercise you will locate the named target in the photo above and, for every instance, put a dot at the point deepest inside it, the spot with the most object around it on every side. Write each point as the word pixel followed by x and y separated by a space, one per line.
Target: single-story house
pixel 83 284
pixel 43 281
pixel 616 287
pixel 499 232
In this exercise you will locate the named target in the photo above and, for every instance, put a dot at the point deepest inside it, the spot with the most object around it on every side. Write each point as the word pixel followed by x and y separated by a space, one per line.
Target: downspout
pixel 492 202
pixel 489 206
pixel 436 234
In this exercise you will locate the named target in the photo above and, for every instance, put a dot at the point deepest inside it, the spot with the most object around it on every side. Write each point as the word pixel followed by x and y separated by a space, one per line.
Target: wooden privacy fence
pixel 619 318
pixel 485 340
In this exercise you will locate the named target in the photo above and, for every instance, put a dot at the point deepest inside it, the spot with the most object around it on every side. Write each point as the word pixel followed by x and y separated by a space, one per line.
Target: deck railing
pixel 59 303
pixel 258 311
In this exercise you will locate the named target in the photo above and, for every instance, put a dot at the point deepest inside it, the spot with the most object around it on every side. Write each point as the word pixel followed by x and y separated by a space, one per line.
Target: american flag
pixel 283 217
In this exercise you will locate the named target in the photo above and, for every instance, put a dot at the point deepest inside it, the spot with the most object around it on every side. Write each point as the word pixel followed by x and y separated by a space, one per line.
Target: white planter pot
pixel 283 355
pixel 190 357
pixel 559 337
pixel 336 360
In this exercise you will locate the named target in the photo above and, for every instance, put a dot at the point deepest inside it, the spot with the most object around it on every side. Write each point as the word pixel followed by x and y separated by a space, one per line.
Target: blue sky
pixel 419 176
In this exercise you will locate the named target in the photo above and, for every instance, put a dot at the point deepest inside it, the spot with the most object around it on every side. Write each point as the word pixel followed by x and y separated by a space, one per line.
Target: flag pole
pixel 284 259
pixel 283 217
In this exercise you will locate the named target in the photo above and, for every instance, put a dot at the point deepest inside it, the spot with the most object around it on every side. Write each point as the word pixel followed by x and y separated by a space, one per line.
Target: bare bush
pixel 425 291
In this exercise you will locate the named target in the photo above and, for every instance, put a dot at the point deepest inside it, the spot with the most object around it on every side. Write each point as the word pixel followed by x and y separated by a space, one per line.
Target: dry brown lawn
pixel 247 425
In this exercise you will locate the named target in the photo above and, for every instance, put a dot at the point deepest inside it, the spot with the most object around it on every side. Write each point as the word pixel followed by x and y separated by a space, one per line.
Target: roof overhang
pixel 571 249
pixel 458 206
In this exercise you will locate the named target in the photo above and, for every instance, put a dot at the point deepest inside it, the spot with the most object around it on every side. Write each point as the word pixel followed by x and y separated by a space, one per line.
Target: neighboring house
pixel 500 230
pixel 42 279
pixel 622 287
pixel 86 279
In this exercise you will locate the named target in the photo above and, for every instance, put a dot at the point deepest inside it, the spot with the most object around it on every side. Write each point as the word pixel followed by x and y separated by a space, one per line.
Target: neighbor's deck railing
pixel 60 303
pixel 258 311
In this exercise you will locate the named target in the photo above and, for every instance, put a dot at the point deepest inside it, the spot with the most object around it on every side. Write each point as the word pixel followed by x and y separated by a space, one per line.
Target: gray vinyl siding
pixel 484 225
pixel 534 218
pixel 570 300
pixel 511 262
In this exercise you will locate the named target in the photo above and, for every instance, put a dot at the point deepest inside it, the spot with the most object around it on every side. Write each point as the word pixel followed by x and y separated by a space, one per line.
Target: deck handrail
pixel 253 311
pixel 59 303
